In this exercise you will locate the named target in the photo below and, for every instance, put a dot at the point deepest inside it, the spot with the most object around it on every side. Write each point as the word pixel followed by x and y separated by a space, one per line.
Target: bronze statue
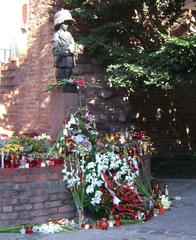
pixel 64 49
pixel 65 52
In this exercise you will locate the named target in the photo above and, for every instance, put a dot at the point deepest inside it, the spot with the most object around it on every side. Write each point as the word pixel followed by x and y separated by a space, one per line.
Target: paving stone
pixel 177 224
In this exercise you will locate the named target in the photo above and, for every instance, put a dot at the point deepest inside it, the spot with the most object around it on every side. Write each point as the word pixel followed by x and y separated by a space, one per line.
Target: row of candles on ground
pixel 24 161
pixel 115 220
pixel 103 224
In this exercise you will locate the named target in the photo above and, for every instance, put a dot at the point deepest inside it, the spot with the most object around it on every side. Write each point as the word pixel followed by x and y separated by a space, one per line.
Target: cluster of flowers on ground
pixel 105 172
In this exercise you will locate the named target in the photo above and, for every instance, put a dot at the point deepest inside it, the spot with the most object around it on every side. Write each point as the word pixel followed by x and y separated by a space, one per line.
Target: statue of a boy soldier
pixel 64 49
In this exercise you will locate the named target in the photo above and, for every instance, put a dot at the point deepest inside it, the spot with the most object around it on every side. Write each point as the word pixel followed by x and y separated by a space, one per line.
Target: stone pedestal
pixel 146 169
pixel 61 104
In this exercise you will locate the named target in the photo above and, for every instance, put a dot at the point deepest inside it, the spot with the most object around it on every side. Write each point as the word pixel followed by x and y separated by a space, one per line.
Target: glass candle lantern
pixel 111 220
pixel 104 224
pixel 98 224
pixel 117 220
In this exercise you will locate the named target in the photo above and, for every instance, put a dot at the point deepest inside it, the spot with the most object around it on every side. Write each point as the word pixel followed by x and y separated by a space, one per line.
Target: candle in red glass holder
pixel 12 164
pixel 37 162
pixel 104 224
pixel 12 161
pixel 90 226
pixel 7 162
pixel 7 165
pixel 83 225
pixel 161 210
pixel 61 161
pixel 52 163
pixel 29 229
pixel 117 220
pixel 31 163
pixel 98 224
pixel 56 162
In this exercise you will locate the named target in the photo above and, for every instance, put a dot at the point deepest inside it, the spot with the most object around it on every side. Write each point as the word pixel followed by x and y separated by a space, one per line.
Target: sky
pixel 10 21
pixel 10 28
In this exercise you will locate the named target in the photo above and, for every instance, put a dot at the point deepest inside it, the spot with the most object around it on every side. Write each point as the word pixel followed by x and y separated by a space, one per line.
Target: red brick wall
pixel 28 108
pixel 33 105
pixel 33 195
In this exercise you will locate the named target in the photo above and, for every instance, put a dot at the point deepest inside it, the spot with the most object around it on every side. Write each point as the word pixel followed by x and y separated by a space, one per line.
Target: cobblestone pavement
pixel 178 223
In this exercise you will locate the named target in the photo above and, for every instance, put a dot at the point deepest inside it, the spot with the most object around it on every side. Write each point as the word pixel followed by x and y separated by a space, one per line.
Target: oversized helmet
pixel 61 16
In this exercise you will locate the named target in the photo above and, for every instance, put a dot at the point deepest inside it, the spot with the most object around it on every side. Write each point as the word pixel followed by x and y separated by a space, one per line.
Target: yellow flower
pixel 109 138
pixel 12 148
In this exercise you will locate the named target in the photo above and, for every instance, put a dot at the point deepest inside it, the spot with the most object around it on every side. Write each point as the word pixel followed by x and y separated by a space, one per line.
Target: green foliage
pixel 130 38
pixel 30 144
pixel 169 65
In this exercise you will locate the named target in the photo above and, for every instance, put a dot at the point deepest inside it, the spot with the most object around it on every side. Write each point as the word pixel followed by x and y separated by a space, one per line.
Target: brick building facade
pixel 27 108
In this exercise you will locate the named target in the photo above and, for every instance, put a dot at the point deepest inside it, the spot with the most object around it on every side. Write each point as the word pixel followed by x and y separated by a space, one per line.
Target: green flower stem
pixel 15 229
pixel 127 221
pixel 145 176
pixel 143 188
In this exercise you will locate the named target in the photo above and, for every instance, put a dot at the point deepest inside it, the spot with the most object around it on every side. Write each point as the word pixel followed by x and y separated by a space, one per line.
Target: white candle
pixel 2 159
pixel 86 226
pixel 26 165
pixel 111 223
pixel 43 164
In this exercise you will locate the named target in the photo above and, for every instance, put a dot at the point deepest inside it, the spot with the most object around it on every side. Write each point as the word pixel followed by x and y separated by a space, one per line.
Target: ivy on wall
pixel 130 39
pixel 169 65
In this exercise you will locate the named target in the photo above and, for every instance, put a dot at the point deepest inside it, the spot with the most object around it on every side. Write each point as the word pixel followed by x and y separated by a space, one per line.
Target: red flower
pixel 80 82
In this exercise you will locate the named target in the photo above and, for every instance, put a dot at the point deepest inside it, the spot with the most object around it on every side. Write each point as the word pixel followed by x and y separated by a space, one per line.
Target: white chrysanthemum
pixel 124 169
pixel 118 175
pixel 91 165
pixel 72 120
pixel 89 178
pixel 90 189
pixel 113 156
pixel 135 163
pixel 43 136
pixel 50 228
pixel 65 132
pixel 97 182
pixel 101 168
pixel 115 164
pixel 129 179
pixel 97 198
pixel 75 180
pixel 165 202
pixel 98 157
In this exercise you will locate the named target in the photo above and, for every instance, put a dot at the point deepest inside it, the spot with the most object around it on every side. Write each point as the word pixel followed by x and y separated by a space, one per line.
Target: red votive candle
pixel 104 224
pixel 117 220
